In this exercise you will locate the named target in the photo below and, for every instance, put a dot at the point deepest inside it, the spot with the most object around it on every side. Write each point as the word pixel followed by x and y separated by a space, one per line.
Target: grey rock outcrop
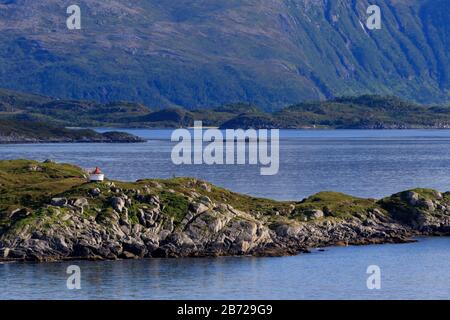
pixel 59 202
pixel 132 225
pixel 118 204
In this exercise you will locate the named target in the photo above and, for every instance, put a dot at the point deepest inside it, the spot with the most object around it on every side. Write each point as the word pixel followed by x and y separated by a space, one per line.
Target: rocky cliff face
pixel 54 214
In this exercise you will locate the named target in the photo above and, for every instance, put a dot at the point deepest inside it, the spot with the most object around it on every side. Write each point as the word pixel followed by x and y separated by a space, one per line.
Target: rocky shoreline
pixel 50 213
pixel 91 137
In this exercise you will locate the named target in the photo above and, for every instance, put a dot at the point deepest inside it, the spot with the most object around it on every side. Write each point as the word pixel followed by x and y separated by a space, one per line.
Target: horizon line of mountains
pixel 19 110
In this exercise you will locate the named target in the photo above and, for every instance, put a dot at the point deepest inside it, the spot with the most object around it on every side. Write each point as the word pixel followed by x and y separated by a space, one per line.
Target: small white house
pixel 96 175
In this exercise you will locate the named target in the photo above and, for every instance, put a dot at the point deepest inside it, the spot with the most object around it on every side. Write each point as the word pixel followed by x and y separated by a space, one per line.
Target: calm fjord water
pixel 408 271
pixel 362 163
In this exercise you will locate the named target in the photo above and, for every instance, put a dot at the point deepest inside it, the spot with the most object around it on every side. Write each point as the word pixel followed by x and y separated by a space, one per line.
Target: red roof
pixel 97 171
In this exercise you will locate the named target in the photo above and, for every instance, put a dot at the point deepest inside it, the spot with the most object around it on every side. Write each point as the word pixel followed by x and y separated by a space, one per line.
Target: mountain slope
pixel 201 53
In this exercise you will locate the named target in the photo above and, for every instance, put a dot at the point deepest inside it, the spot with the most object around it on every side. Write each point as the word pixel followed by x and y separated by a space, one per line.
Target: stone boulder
pixel 205 186
pixel 286 230
pixel 34 168
pixel 428 204
pixel 198 208
pixel 315 214
pixel 95 192
pixel 19 214
pixel 138 249
pixel 80 203
pixel 412 198
pixel 59 202
pixel 118 204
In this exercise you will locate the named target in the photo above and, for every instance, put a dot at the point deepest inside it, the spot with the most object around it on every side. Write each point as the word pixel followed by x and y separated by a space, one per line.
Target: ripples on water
pixel 362 163
pixel 409 271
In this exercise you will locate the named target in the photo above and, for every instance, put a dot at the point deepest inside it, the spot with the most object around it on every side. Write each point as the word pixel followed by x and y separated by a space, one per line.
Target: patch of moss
pixel 428 194
pixel 175 206
pixel 334 204
pixel 30 184
pixel 105 216
pixel 399 208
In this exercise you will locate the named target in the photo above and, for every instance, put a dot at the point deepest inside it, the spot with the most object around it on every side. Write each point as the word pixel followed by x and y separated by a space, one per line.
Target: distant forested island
pixel 49 117
pixel 20 131
pixel 22 121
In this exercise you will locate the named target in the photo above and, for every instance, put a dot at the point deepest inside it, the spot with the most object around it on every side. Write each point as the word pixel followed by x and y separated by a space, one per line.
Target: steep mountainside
pixel 200 53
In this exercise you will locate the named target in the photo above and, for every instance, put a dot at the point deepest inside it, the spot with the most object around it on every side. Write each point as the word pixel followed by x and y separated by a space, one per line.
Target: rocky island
pixel 49 212
pixel 25 131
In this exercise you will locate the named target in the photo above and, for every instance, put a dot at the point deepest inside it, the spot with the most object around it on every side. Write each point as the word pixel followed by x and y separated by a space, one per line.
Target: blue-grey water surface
pixel 366 163
pixel 359 162
pixel 408 271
